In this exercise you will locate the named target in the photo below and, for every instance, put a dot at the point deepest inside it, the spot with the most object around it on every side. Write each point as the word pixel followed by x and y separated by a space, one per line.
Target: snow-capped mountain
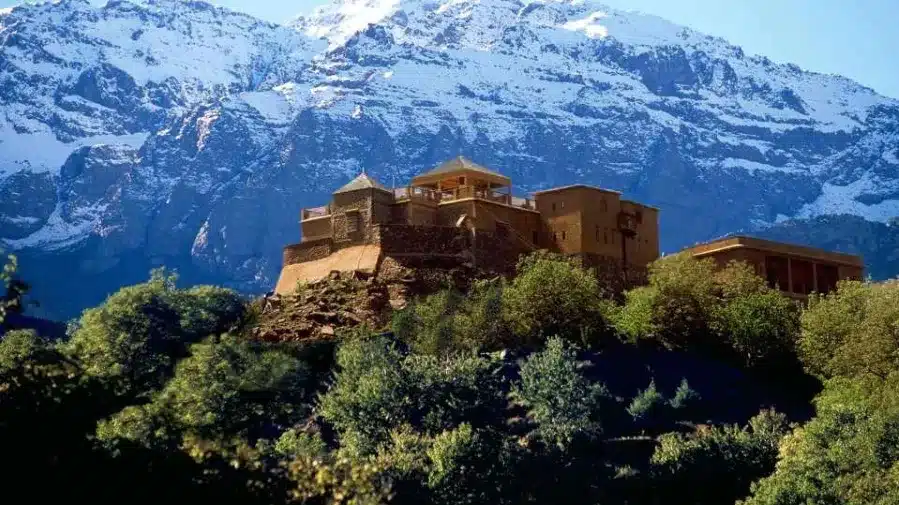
pixel 175 132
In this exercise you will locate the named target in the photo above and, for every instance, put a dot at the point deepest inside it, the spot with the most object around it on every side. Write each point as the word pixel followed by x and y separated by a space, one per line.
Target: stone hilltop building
pixel 461 213
pixel 796 270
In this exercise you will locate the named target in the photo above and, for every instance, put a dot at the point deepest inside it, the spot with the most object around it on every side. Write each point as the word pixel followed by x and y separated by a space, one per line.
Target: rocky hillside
pixel 177 133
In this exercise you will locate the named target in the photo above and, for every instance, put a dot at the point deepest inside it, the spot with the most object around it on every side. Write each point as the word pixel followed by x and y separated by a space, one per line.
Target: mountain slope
pixel 179 133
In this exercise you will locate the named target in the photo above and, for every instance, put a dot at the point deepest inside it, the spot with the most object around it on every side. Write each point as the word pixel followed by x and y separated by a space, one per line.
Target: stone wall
pixel 414 239
pixel 351 216
pixel 498 252
pixel 307 251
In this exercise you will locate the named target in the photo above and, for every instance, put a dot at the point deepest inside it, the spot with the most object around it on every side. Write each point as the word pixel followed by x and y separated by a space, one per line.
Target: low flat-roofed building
pixel 794 269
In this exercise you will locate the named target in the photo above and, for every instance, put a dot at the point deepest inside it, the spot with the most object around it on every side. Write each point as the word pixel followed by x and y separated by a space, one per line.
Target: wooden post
pixel 814 277
pixel 789 275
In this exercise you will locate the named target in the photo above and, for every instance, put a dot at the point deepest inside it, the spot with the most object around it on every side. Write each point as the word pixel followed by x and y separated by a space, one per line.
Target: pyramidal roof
pixel 362 181
pixel 461 163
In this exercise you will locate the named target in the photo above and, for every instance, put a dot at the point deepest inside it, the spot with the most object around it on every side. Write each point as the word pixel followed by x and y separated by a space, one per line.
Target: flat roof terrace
pixel 786 249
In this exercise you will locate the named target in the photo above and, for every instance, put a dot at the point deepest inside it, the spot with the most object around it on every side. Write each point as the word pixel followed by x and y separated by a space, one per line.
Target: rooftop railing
pixel 315 212
pixel 416 193
pixel 430 195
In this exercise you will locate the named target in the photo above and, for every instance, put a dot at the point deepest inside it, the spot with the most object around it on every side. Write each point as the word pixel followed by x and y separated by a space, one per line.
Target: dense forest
pixel 703 387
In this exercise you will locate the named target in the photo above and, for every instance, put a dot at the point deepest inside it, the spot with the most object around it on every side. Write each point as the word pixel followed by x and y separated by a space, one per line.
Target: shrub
pixel 684 395
pixel 369 394
pixel 646 403
pixel 717 465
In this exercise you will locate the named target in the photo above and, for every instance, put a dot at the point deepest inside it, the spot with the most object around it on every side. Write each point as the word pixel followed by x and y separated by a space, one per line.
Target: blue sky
pixel 855 38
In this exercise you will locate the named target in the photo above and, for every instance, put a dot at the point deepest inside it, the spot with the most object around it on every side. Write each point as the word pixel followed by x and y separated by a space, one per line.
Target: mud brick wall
pixel 413 239
pixel 307 251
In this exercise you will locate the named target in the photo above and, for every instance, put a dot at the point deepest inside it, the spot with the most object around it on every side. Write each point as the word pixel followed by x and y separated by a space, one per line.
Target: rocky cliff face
pixel 177 133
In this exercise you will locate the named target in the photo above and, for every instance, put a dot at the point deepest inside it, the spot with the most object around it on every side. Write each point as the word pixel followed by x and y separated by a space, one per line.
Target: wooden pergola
pixel 461 172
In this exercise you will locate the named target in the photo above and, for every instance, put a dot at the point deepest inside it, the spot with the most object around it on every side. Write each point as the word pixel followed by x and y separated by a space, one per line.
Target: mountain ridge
pixel 179 133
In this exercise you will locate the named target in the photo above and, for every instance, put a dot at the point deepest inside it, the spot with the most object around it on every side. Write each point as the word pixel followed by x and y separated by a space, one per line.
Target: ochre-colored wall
pixel 601 235
pixel 589 217
pixel 525 223
pixel 561 212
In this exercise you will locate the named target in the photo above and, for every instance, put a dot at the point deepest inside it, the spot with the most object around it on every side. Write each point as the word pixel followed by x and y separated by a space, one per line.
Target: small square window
pixel 554 207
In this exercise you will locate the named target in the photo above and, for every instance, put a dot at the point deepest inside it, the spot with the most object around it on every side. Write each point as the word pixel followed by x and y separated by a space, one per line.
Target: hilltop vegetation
pixel 697 388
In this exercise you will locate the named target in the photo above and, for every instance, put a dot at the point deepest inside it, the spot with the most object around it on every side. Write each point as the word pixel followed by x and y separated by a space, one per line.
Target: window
pixel 352 221
pixel 461 181
pixel 554 207
pixel 562 205
pixel 639 217
pixel 602 205
pixel 563 235
pixel 536 237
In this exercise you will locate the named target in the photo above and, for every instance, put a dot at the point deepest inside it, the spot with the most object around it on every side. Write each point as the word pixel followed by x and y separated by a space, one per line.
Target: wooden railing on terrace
pixel 485 194
pixel 416 193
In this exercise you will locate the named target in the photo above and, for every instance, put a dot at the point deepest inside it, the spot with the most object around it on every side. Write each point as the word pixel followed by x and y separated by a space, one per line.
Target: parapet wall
pixel 307 251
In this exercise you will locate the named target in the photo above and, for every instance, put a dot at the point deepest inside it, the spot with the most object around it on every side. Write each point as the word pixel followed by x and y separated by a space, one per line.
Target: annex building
pixel 796 270
pixel 463 213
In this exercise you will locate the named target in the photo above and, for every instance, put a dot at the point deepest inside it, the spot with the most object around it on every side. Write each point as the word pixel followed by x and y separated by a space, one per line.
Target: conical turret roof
pixel 362 181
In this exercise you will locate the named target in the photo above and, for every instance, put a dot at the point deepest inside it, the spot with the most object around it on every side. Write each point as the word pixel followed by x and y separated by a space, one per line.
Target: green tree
pixel 848 454
pixel 762 327
pixel 369 395
pixel 852 331
pixel 429 324
pixel 7 274
pixel 225 388
pixel 562 403
pixel 551 295
pixel 676 308
pixel 139 333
